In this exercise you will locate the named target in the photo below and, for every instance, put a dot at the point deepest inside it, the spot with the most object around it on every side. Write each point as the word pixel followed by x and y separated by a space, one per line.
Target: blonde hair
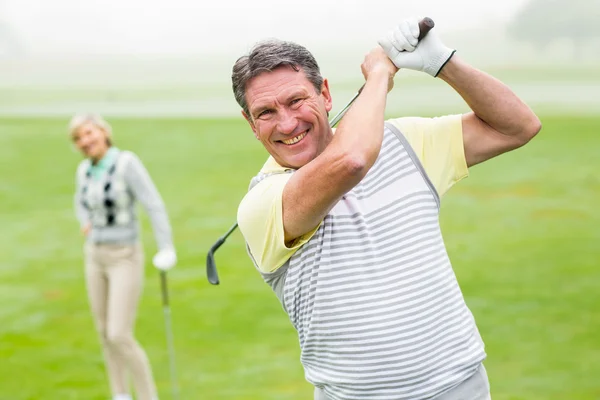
pixel 81 119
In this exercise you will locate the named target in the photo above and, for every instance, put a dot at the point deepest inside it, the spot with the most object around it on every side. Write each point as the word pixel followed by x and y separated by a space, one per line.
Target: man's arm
pixel 315 188
pixel 499 122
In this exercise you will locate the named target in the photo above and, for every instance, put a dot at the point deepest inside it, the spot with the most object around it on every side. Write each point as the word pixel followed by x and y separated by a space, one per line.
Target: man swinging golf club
pixel 344 227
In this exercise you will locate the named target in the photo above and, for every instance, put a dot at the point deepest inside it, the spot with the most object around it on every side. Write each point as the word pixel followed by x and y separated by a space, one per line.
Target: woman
pixel 109 181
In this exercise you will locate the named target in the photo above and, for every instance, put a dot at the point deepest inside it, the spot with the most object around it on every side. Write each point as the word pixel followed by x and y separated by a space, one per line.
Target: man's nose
pixel 287 122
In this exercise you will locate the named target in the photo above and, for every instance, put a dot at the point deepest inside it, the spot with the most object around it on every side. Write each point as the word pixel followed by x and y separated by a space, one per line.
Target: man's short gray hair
pixel 268 55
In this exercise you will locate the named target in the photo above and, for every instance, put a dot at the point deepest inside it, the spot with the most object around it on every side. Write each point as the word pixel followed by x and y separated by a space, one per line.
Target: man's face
pixel 289 116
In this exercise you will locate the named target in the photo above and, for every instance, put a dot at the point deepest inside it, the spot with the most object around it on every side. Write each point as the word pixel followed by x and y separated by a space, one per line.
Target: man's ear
pixel 326 93
pixel 251 123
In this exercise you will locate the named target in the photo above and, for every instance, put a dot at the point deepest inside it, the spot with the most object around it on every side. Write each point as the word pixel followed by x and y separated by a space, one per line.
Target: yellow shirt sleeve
pixel 260 219
pixel 438 142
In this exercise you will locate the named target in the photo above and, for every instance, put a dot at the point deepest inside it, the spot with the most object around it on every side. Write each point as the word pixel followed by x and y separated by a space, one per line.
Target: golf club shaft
pixel 343 111
pixel 169 334
pixel 230 231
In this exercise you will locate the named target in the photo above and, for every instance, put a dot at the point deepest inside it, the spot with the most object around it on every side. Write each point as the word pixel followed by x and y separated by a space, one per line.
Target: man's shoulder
pixel 411 123
pixel 271 166
pixel 262 201
pixel 266 185
pixel 408 125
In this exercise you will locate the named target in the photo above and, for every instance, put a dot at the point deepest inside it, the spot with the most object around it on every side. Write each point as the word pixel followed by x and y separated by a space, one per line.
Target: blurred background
pixel 521 231
pixel 174 58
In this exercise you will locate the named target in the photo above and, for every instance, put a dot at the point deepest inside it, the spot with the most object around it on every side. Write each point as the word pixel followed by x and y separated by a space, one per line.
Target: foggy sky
pixel 202 26
pixel 174 57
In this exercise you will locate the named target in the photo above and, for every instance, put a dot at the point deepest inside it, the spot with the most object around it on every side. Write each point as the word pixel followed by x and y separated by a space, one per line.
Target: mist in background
pixel 133 57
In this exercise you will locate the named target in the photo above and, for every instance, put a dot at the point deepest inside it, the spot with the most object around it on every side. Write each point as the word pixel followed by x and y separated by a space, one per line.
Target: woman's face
pixel 91 140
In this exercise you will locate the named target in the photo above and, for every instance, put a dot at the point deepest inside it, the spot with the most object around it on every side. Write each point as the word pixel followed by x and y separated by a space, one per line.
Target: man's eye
pixel 264 113
pixel 295 101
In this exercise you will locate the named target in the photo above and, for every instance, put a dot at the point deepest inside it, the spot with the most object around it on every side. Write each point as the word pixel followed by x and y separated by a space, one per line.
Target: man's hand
pixel 404 49
pixel 376 61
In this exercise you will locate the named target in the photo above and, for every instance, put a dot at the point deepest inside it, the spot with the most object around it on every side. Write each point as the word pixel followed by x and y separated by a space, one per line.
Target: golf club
pixel 169 332
pixel 425 25
pixel 211 268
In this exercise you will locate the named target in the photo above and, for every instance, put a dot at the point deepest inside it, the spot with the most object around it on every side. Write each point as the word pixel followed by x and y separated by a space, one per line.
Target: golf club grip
pixel 425 25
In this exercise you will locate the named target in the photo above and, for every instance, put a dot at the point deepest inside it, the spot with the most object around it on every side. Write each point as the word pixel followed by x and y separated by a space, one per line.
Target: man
pixel 344 227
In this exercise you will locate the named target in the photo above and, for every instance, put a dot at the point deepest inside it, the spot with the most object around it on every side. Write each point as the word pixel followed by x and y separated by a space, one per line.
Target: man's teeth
pixel 294 140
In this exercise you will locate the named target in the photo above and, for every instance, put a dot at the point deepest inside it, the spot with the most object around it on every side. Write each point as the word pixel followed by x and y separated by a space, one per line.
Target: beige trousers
pixel 114 279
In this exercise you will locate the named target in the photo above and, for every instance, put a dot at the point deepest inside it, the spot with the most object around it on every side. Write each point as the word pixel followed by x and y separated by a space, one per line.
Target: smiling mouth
pixel 295 140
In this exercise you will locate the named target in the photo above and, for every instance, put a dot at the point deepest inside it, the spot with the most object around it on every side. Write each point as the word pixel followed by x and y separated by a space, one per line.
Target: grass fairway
pixel 522 232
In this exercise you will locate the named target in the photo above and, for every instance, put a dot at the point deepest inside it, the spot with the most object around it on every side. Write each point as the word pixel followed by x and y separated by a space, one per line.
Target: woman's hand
pixel 85 230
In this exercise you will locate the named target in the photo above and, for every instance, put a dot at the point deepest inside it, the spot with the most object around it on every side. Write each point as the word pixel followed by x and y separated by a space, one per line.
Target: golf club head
pixel 211 267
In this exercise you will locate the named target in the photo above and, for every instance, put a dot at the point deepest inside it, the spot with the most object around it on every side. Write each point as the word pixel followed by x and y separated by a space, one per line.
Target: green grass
pixel 27 96
pixel 522 232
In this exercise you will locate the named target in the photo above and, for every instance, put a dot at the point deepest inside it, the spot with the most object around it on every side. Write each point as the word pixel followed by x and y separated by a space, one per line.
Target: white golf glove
pixel 165 259
pixel 402 47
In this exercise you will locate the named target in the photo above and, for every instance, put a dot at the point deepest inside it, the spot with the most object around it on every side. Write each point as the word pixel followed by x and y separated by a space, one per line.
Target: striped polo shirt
pixel 372 293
